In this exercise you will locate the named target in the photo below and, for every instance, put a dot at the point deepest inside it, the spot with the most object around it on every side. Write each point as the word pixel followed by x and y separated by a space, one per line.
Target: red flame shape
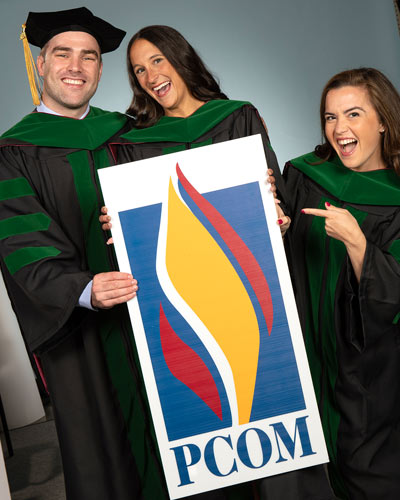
pixel 187 366
pixel 237 246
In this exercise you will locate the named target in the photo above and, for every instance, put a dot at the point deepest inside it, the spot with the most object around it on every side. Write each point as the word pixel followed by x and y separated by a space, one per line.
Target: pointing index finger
pixel 315 211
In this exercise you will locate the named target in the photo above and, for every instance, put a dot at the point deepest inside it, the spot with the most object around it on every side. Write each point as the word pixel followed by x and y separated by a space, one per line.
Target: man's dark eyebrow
pixel 91 51
pixel 60 48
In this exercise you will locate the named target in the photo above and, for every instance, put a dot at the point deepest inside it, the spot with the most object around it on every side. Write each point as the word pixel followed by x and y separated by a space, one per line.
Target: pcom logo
pixel 212 308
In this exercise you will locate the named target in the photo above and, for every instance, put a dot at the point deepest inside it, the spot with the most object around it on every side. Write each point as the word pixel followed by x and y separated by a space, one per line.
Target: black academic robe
pixel 351 329
pixel 214 122
pixel 51 245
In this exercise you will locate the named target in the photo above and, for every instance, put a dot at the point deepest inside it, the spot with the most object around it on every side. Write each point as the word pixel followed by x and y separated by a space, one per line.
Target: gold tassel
pixel 33 77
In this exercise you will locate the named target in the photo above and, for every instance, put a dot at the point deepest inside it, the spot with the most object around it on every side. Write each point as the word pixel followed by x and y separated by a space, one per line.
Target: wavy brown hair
pixel 386 101
pixel 185 60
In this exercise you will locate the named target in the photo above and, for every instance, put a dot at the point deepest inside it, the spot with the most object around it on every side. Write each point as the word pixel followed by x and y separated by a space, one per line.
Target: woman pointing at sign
pixel 343 247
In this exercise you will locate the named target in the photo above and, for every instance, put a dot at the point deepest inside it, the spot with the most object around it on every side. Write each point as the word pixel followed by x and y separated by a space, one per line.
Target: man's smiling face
pixel 71 66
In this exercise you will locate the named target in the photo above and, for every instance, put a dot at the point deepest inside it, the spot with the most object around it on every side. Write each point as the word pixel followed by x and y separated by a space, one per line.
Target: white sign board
pixel 215 320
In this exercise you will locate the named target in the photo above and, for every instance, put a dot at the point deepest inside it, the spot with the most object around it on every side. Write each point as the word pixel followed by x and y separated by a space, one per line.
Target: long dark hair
pixel 386 101
pixel 185 60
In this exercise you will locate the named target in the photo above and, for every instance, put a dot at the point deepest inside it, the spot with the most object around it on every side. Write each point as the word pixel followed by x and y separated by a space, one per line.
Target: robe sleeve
pixel 294 186
pixel 42 268
pixel 254 126
pixel 379 287
pixel 370 308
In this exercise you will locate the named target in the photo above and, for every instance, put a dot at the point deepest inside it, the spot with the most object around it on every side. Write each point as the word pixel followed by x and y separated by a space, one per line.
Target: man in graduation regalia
pixel 60 275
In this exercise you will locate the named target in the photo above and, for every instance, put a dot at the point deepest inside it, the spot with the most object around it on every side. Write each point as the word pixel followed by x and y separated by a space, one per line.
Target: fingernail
pixel 327 204
pixel 280 221
pixel 302 211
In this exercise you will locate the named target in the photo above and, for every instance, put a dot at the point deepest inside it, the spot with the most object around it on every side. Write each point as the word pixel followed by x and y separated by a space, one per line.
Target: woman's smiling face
pixel 353 128
pixel 159 79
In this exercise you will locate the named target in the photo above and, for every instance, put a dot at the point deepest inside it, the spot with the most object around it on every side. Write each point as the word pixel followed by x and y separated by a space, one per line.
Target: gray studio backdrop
pixel 277 54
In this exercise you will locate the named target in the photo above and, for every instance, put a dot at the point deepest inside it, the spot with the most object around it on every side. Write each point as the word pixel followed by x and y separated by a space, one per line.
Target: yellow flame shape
pixel 207 281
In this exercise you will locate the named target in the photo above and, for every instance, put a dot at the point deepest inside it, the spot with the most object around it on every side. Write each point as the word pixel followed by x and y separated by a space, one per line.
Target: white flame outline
pixel 187 312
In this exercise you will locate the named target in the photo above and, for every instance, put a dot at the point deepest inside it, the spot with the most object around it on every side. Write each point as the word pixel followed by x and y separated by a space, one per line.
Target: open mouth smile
pixel 162 89
pixel 347 146
pixel 73 81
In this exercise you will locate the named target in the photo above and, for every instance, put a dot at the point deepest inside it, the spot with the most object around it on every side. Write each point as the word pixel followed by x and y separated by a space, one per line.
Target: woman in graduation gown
pixel 178 105
pixel 344 251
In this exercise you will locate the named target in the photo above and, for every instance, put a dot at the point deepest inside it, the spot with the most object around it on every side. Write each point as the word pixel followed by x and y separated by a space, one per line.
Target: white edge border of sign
pixel 120 195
